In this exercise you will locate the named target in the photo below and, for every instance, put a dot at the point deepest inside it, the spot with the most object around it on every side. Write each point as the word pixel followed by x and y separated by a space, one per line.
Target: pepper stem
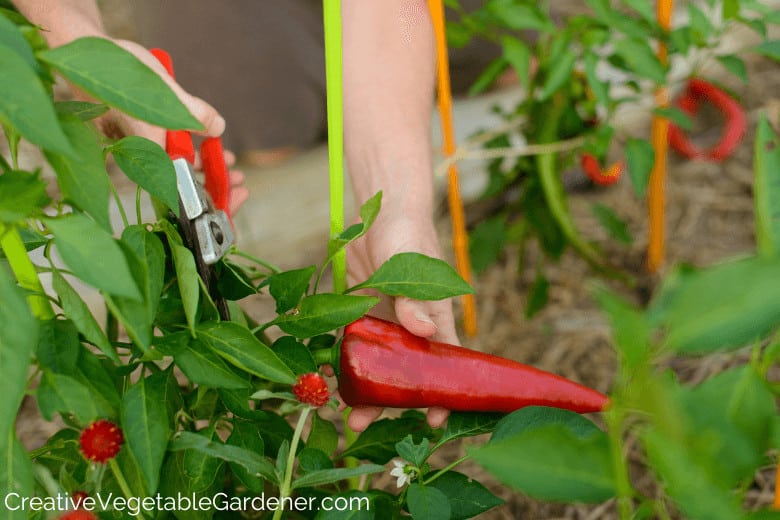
pixel 284 490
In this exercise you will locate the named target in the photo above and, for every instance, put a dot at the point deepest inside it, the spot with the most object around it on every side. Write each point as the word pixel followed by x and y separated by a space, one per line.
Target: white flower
pixel 403 472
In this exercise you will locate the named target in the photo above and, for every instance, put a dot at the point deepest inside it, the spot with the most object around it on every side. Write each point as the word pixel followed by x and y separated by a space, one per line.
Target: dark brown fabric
pixel 261 63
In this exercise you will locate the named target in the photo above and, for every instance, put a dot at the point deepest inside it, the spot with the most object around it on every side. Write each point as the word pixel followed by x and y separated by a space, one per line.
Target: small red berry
pixel 78 497
pixel 101 441
pixel 312 389
pixel 79 514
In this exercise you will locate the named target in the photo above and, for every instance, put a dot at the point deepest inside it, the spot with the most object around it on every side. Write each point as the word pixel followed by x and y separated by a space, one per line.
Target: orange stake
pixel 459 237
pixel 656 198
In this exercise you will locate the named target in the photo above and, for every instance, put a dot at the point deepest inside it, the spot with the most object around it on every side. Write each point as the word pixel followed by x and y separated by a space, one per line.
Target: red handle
pixel 215 169
pixel 178 143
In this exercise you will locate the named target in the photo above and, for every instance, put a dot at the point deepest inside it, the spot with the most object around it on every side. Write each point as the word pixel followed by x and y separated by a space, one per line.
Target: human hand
pixel 117 124
pixel 392 234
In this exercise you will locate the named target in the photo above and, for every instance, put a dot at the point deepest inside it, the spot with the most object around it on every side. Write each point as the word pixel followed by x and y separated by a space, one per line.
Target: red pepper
pixel 590 165
pixel 690 102
pixel 382 364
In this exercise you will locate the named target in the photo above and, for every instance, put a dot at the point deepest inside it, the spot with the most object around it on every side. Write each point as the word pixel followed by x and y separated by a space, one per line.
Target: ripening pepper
pixel 590 165
pixel 699 90
pixel 382 364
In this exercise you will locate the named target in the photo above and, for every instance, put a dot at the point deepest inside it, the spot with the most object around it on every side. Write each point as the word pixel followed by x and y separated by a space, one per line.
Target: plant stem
pixel 269 266
pixel 25 271
pixel 614 418
pixel 139 220
pixel 119 204
pixel 445 469
pixel 284 490
pixel 335 110
pixel 120 479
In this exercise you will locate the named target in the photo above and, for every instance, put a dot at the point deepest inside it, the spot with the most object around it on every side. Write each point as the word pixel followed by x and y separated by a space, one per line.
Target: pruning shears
pixel 204 213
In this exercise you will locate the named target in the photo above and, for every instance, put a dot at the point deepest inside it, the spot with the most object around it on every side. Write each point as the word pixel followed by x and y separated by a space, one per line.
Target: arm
pixel 389 73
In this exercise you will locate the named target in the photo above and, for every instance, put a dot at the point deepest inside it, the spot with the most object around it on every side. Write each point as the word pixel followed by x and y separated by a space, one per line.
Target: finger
pixel 230 158
pixel 362 416
pixel 415 317
pixel 237 178
pixel 437 416
pixel 213 123
pixel 238 196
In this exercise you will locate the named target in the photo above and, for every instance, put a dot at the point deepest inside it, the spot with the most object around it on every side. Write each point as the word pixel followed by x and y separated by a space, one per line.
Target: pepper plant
pixel 576 72
pixel 168 412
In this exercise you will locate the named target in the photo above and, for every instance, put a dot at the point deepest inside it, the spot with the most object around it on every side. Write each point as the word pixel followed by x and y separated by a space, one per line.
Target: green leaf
pixel 730 9
pixel 641 59
pixel 321 313
pixel 64 394
pixel 233 283
pixel 559 74
pixel 519 16
pixel 145 255
pixel 188 280
pixel 295 355
pixel 145 163
pixel 599 88
pixel 22 195
pixel 688 483
pixel 519 56
pixel 145 425
pixel 368 213
pixel 467 424
pixel 644 8
pixel 416 453
pixel 468 498
pixel 83 110
pixel 11 37
pixel 97 261
pixel 288 287
pixel 725 306
pixel 239 347
pixel 486 242
pixel 203 367
pixel 735 65
pixel 311 459
pixel 416 276
pixel 25 105
pixel 538 295
pixel 640 157
pixel 699 22
pixel 252 462
pixel 82 175
pixel 328 476
pixel 535 417
pixel 552 463
pixel 491 73
pixel 116 77
pixel 246 435
pixel 766 189
pixel 676 116
pixel 630 331
pixel 770 49
pixel 377 442
pixel 323 435
pixel 428 502
pixel 615 226
pixel 58 346
pixel 18 339
pixel 16 474
pixel 82 317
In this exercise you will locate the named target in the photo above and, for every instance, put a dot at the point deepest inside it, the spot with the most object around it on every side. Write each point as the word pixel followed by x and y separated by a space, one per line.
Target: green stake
pixel 333 76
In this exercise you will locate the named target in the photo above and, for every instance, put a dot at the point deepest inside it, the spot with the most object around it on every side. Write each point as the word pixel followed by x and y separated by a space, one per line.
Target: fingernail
pixel 423 317
pixel 219 123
